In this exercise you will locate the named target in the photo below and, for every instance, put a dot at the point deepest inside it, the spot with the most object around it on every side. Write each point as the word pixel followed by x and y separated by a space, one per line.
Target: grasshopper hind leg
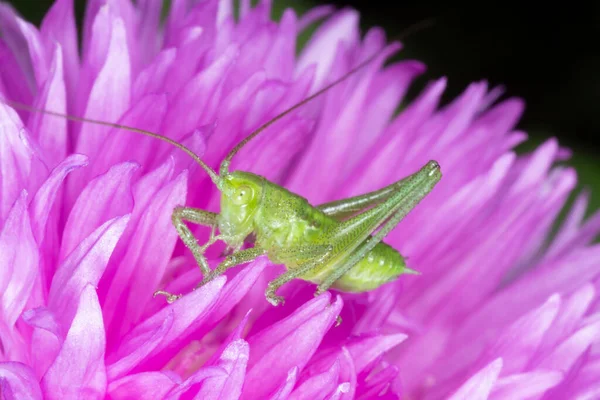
pixel 400 205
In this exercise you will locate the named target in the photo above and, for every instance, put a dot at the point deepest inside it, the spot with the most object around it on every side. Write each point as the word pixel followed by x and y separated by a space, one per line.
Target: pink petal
pixel 318 386
pixel 150 345
pixel 42 204
pixel 341 390
pixel 121 145
pixel 149 37
pixel 519 342
pixel 46 339
pixel 323 361
pixel 284 390
pixel 17 381
pixel 58 26
pixel 120 363
pixel 142 386
pixel 51 131
pixel 44 209
pixel 479 386
pixel 235 290
pixel 19 36
pixel 233 360
pixel 313 15
pixel 109 91
pixel 525 386
pixel 366 350
pixel 106 197
pixel 378 383
pixel 15 159
pixel 84 266
pixel 343 26
pixel 568 352
pixel 189 386
pixel 19 258
pixel 381 304
pixel 79 369
pixel 287 344
pixel 149 249
pixel 153 78
pixel 203 92
pixel 570 316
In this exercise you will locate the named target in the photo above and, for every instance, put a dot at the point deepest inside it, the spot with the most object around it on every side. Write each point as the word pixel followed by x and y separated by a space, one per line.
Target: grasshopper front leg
pixel 200 217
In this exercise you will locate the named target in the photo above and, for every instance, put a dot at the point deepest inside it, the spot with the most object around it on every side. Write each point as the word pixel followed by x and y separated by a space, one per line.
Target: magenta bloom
pixel 498 312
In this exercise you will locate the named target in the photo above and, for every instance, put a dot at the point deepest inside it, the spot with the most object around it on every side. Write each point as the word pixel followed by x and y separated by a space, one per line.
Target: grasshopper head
pixel 240 199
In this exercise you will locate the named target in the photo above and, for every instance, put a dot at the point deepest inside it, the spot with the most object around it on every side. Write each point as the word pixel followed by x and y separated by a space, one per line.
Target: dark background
pixel 550 56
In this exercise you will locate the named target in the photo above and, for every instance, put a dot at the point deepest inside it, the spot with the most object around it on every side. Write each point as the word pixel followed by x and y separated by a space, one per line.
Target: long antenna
pixel 224 168
pixel 225 164
pixel 21 106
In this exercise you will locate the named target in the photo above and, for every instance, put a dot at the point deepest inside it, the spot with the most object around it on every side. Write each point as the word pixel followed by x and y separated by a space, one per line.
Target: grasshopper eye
pixel 242 195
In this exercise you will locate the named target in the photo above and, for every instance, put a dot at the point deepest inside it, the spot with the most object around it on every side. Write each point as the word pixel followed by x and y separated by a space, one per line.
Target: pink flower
pixel 500 311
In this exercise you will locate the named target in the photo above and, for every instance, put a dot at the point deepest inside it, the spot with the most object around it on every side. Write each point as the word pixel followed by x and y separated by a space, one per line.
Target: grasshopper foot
pixel 170 297
pixel 272 297
pixel 275 300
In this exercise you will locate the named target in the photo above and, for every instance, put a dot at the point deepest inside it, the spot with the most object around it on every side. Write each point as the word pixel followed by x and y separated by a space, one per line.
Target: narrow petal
pixel 284 390
pixel 153 78
pixel 45 212
pixel 120 363
pixel 58 26
pixel 105 89
pixel 142 386
pixel 187 388
pixel 79 369
pixel 525 386
pixel 19 258
pixel 203 92
pixel 235 290
pixel 15 159
pixel 106 197
pixel 17 381
pixel 343 26
pixel 51 131
pixel 570 316
pixel 46 339
pixel 519 342
pixel 568 352
pixel 152 241
pixel 318 386
pixel 84 266
pixel 378 383
pixel 287 344
pixel 323 361
pixel 313 15
pixel 368 349
pixel 233 360
pixel 121 145
pixel 479 386
pixel 341 390
pixel 188 314
pixel 25 42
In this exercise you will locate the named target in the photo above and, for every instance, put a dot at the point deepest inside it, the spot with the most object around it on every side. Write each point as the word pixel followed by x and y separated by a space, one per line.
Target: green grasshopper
pixel 334 245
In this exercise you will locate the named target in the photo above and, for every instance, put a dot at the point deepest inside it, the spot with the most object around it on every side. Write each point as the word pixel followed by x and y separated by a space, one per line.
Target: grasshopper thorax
pixel 241 194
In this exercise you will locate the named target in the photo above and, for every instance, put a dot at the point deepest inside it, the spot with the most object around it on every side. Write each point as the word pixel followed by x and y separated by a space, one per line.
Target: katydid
pixel 334 245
